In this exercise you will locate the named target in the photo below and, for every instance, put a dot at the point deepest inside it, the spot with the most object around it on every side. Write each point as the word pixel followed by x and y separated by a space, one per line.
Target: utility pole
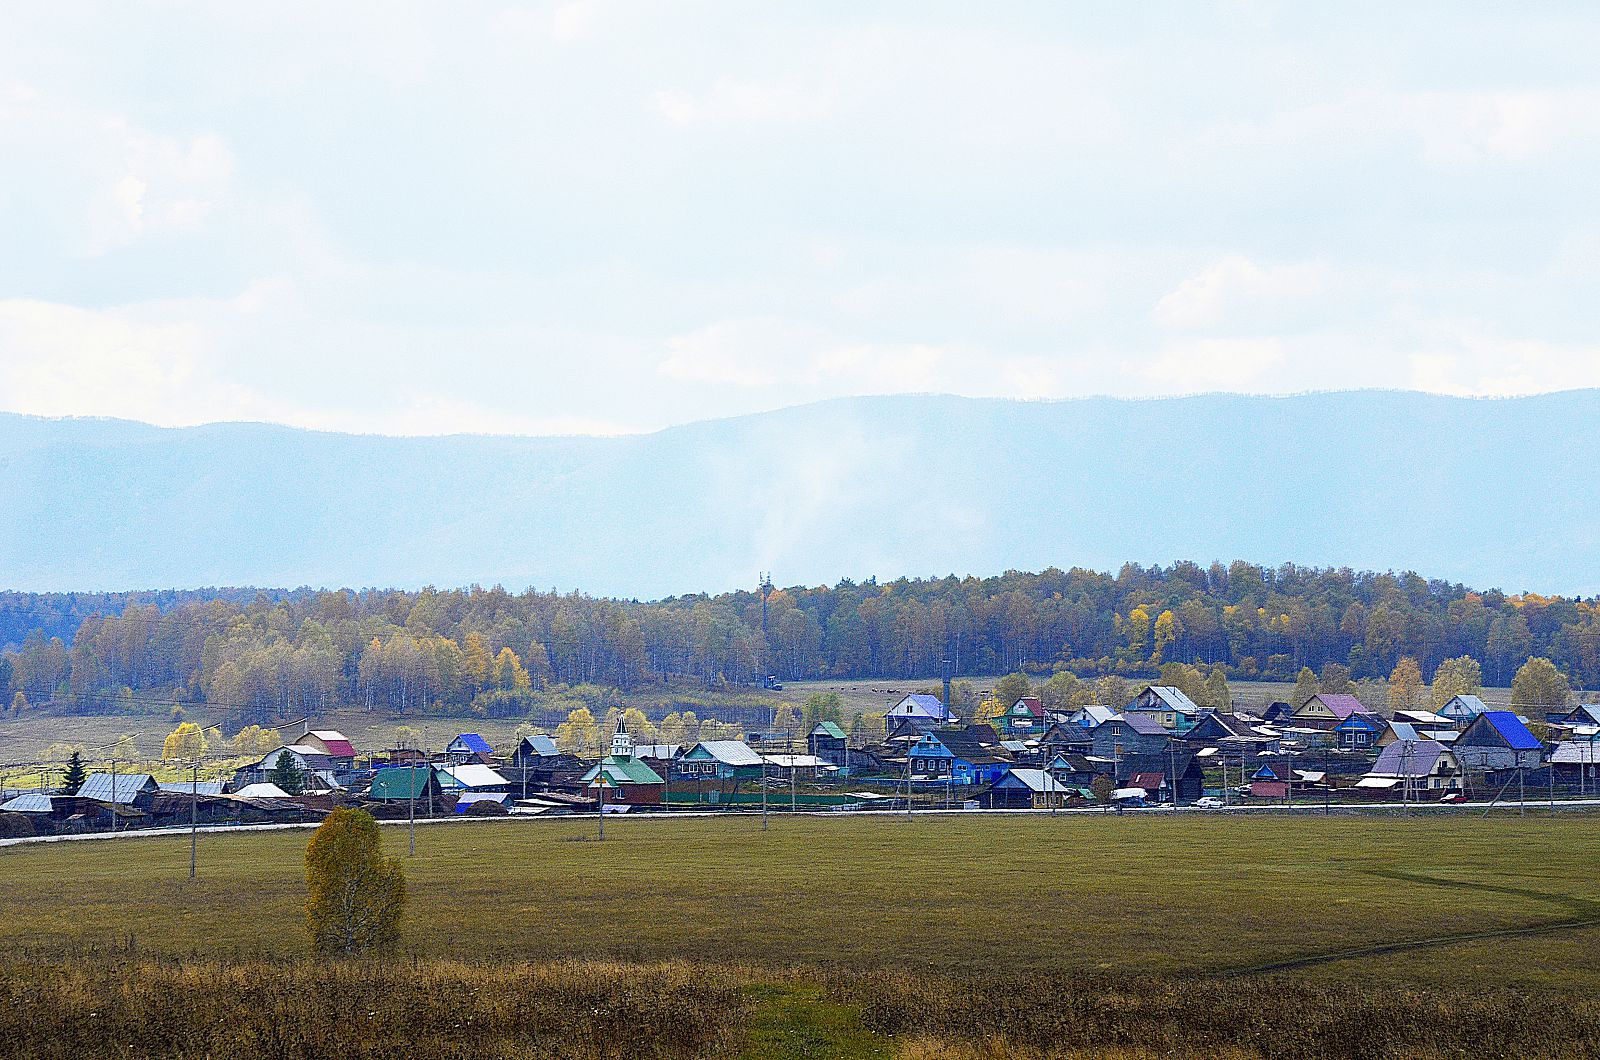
pixel 113 791
pixel 194 820
pixel 908 781
pixel 763 793
pixel 600 777
pixel 411 808
pixel 794 803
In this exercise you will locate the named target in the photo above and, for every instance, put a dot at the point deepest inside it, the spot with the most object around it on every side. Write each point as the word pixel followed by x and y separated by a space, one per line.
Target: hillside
pixel 1487 492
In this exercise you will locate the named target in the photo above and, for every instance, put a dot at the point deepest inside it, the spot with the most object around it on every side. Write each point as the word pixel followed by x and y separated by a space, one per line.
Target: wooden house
pixel 1326 710
pixel 1024 717
pixel 1172 769
pixel 828 742
pixel 1462 709
pixel 1413 769
pixel 962 756
pixel 721 760
pixel 1021 788
pixel 1497 740
pixel 469 747
pixel 1168 705
pixel 1128 734
pixel 1360 731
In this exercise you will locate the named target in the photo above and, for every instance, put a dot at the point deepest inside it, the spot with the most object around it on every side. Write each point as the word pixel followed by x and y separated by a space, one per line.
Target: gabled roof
pixel 27 802
pixel 474 776
pixel 662 752
pixel 1031 705
pixel 1401 759
pixel 1506 725
pixel 1364 719
pixel 978 744
pixel 1585 712
pixel 334 741
pixel 261 791
pixel 1139 723
pixel 919 704
pixel 1093 714
pixel 829 729
pixel 1463 705
pixel 728 752
pixel 470 742
pixel 402 782
pixel 618 770
pixel 538 744
pixel 128 785
pixel 1035 780
pixel 1340 704
pixel 189 787
pixel 1173 697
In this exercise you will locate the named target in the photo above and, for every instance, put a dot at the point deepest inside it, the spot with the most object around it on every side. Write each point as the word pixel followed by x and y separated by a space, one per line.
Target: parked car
pixel 1209 802
pixel 1452 797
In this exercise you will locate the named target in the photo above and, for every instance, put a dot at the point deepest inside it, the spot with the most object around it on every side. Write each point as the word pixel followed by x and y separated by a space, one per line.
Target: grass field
pixel 944 936
pixel 1186 897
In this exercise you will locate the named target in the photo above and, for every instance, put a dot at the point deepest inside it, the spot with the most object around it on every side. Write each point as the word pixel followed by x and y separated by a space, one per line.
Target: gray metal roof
pixel 29 802
pixel 189 787
pixel 127 785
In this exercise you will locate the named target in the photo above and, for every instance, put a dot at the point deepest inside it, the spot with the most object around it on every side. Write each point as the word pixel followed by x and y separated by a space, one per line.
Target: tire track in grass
pixel 1590 908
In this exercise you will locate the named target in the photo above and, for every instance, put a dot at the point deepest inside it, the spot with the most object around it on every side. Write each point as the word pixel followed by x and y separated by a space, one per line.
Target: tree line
pixel 297 652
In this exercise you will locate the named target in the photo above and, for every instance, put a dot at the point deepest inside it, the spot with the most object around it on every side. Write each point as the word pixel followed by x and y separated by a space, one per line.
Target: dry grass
pixel 372 1009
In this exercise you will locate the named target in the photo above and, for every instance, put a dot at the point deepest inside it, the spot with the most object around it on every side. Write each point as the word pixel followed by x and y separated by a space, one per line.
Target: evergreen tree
pixel 286 775
pixel 76 774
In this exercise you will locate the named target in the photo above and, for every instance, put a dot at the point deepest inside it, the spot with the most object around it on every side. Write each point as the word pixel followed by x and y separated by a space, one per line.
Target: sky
pixel 606 217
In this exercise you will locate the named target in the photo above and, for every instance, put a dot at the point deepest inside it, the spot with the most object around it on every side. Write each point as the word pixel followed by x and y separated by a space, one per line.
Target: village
pixel 1159 752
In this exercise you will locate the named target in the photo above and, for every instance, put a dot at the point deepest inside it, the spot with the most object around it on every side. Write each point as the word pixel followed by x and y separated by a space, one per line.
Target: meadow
pixel 938 936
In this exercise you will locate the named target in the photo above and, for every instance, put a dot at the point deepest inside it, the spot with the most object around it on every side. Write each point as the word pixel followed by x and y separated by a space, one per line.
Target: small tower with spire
pixel 621 742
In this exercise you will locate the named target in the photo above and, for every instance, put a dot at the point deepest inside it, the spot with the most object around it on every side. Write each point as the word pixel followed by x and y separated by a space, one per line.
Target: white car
pixel 1209 802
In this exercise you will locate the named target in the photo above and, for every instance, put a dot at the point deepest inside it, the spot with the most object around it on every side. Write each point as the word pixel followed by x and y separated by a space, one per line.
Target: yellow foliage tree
pixel 579 734
pixel 987 710
pixel 1461 676
pixel 356 895
pixel 188 740
pixel 1405 685
pixel 1167 630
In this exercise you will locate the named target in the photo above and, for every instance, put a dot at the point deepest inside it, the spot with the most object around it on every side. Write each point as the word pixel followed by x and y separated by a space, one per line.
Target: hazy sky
pixel 604 216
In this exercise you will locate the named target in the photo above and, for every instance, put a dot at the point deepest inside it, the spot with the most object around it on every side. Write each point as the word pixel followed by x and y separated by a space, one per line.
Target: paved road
pixel 1388 809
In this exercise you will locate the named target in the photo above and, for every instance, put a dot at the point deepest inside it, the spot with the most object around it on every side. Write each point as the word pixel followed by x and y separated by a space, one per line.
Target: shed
pixel 122 789
pixel 35 802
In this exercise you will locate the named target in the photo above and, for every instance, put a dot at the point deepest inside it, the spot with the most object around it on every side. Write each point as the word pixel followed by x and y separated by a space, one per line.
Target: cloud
pixel 1202 365
pixel 1237 290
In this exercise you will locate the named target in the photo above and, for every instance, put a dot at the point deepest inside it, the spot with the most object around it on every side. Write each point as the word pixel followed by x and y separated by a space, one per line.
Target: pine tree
pixel 286 775
pixel 76 774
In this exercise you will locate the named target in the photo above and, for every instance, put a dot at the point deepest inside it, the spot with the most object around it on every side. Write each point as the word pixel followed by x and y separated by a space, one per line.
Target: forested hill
pixel 1488 493
pixel 509 654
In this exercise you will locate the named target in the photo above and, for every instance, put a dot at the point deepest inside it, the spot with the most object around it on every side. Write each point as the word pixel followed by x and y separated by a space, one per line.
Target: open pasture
pixel 1185 897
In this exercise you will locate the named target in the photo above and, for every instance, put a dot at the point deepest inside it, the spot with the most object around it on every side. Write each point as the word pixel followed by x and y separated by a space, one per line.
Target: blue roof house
pixel 1360 731
pixel 960 756
pixel 1495 740
pixel 468 745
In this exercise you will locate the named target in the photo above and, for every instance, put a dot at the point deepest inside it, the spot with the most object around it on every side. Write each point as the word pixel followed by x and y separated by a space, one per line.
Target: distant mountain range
pixel 1494 493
